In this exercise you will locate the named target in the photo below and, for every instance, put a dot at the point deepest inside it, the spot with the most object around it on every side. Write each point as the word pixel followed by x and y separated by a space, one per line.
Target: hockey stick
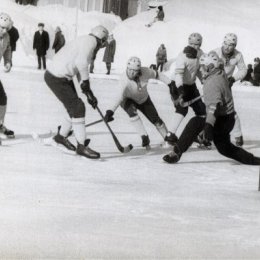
pixel 93 123
pixel 188 103
pixel 122 149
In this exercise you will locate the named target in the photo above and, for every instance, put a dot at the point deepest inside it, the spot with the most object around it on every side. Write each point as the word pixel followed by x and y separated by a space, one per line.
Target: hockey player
pixel 184 87
pixel 233 58
pixel 73 60
pixel 220 116
pixel 5 51
pixel 134 96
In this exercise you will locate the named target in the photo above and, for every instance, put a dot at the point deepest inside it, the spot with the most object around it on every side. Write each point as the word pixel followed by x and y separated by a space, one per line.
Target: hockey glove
pixel 207 133
pixel 109 116
pixel 85 87
pixel 173 90
pixel 231 81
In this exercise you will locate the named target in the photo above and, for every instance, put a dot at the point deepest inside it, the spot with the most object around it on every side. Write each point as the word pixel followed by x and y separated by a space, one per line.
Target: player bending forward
pixel 219 119
pixel 73 60
pixel 134 96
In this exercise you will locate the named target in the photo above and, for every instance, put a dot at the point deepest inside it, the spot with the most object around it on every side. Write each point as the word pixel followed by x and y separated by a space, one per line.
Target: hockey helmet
pixel 195 38
pixel 5 21
pixel 209 62
pixel 133 67
pixel 230 38
pixel 100 32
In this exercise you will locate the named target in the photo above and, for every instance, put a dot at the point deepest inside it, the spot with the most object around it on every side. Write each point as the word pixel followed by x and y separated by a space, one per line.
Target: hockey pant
pixel 222 129
pixel 3 103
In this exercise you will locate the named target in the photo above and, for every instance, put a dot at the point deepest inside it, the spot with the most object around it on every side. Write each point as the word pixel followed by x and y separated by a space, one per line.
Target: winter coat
pixel 41 43
pixel 5 49
pixel 14 36
pixel 74 58
pixel 236 60
pixel 160 15
pixel 110 52
pixel 59 41
pixel 161 55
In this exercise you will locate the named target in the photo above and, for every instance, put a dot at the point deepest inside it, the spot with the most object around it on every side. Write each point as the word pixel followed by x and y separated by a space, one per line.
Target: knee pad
pixel 78 110
pixel 181 110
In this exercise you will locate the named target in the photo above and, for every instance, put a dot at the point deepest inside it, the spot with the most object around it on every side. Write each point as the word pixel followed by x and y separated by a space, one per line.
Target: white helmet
pixel 100 32
pixel 134 63
pixel 195 38
pixel 5 20
pixel 210 61
pixel 230 38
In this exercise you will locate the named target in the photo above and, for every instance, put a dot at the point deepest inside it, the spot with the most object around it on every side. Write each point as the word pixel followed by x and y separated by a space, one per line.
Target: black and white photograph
pixel 129 129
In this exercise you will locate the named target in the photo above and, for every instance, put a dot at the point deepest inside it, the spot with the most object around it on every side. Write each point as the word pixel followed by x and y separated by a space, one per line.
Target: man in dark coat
pixel 14 36
pixel 161 57
pixel 41 44
pixel 59 40
pixel 109 52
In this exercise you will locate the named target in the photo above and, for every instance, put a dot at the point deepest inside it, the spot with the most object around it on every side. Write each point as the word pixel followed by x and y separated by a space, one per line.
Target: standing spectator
pixel 249 73
pixel 14 36
pixel 161 57
pixel 5 51
pixel 160 14
pixel 41 44
pixel 257 72
pixel 109 52
pixel 59 40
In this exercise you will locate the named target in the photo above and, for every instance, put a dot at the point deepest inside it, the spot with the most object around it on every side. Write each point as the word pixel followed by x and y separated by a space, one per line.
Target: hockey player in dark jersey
pixel 219 119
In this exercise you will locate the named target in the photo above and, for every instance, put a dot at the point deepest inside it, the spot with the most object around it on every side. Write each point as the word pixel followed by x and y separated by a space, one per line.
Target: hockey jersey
pixel 74 58
pixel 187 69
pixel 137 90
pixel 217 96
pixel 230 63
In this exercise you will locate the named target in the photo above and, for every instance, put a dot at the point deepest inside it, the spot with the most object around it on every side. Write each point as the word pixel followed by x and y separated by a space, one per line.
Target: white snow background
pixel 134 206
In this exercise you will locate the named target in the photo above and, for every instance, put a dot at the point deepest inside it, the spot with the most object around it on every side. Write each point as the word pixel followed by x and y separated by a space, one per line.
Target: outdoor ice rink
pixel 123 206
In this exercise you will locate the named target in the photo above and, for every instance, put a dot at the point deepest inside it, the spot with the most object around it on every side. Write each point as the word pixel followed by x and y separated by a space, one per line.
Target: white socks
pixel 162 130
pixel 177 119
pixel 78 126
pixel 237 132
pixel 66 126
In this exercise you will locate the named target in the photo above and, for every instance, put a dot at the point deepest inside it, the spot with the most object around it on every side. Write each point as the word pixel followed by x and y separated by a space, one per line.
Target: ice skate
pixel 174 156
pixel 85 151
pixel 61 140
pixel 6 133
pixel 146 142
pixel 171 138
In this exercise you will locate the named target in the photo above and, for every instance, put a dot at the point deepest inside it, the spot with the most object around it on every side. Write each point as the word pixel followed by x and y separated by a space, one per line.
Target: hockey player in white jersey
pixel 233 59
pixel 5 51
pixel 134 96
pixel 184 87
pixel 73 60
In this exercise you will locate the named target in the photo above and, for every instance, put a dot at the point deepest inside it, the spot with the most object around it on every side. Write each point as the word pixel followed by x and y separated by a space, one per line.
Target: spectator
pixel 59 40
pixel 109 52
pixel 257 72
pixel 249 73
pixel 161 57
pixel 41 45
pixel 160 14
pixel 14 36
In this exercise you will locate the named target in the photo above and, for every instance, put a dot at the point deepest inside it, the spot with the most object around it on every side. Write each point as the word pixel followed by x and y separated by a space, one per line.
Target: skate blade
pixel 5 137
pixel 166 145
pixel 203 147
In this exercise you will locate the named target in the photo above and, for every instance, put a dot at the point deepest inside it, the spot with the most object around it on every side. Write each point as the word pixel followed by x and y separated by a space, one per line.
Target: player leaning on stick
pixel 134 96
pixel 5 51
pixel 184 87
pixel 73 60
pixel 220 117
pixel 233 58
